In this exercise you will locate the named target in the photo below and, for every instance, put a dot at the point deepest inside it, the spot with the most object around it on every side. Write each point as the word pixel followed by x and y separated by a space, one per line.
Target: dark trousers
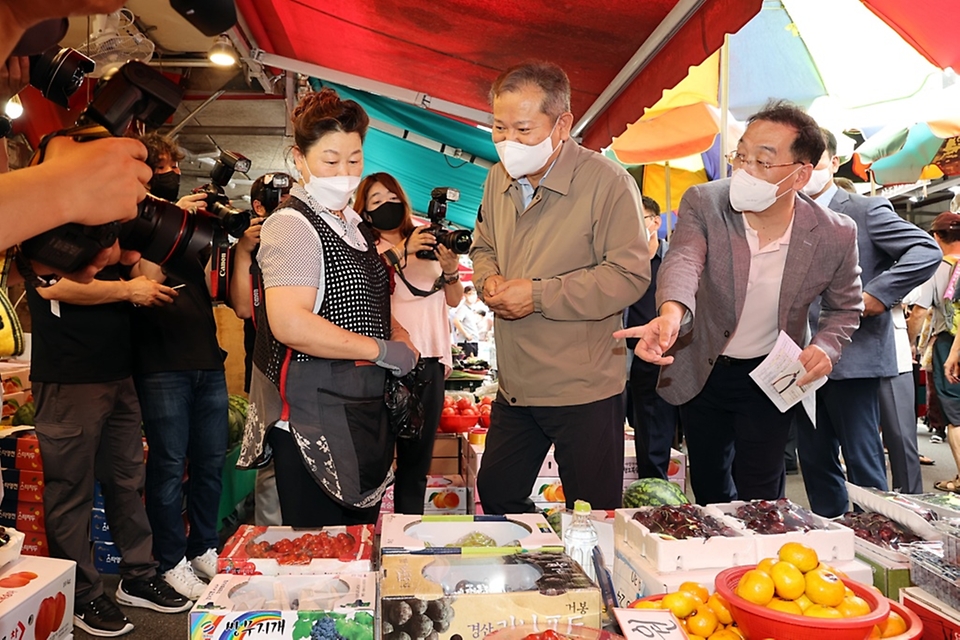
pixel 185 421
pixel 303 502
pixel 898 426
pixel 735 437
pixel 848 418
pixel 87 432
pixel 588 446
pixel 414 456
pixel 654 420
pixel 469 348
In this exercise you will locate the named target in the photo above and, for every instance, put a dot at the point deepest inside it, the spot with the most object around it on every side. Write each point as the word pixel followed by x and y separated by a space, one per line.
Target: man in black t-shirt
pixel 88 425
pixel 179 375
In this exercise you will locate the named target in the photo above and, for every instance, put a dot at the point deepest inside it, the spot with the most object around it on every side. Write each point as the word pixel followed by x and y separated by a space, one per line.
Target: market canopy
pixel 452 52
pixel 928 25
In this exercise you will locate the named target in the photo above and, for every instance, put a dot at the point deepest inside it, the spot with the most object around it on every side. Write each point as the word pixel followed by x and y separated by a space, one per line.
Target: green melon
pixel 653 492
pixel 24 415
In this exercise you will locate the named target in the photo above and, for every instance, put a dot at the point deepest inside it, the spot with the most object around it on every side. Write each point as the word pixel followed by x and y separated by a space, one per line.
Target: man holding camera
pixel 88 425
pixel 560 251
pixel 266 194
pixel 179 375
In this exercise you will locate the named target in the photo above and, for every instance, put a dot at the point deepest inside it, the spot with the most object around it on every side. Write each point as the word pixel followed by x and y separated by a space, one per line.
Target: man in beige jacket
pixel 559 251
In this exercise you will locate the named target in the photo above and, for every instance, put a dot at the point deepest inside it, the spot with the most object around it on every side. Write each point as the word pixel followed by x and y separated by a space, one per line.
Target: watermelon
pixel 236 419
pixel 653 492
pixel 25 414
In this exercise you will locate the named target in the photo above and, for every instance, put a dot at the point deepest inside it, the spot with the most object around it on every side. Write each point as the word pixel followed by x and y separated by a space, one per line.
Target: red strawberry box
pixel 273 551
pixel 22 485
pixel 19 449
pixel 26 517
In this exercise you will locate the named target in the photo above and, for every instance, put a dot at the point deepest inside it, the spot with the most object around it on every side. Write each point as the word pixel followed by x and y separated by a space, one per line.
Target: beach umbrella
pixel 903 154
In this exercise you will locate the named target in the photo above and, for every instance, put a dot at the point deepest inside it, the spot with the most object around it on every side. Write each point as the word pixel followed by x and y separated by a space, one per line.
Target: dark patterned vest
pixel 356 294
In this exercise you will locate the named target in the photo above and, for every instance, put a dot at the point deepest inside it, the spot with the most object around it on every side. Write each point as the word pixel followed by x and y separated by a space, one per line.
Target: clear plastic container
pixel 936 576
pixel 580 538
pixel 951 540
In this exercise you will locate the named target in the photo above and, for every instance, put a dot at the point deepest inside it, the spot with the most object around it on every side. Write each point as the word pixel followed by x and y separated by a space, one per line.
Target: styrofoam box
pixel 52 588
pixel 10 552
pixel 870 501
pixel 682 555
pixel 634 576
pixel 234 558
pixel 281 607
pixel 430 534
pixel 835 542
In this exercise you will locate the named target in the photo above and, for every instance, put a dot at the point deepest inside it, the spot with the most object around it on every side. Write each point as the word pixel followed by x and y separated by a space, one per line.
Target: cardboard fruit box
pixel 285 607
pixel 244 551
pixel 37 599
pixel 462 596
pixel 15 377
pixel 669 554
pixel 19 449
pixel 831 541
pixel 445 495
pixel 434 535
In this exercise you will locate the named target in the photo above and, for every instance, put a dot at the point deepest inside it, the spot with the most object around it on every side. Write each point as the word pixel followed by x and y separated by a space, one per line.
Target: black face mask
pixel 166 185
pixel 387 216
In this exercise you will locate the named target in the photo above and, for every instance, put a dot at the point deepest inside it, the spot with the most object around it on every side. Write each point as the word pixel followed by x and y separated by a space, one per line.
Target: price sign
pixel 649 624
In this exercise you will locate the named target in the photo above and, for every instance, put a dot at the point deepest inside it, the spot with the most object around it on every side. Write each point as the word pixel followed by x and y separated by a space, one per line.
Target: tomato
pixel 463 403
pixel 448 401
pixel 470 411
pixel 448 411
pixel 485 409
pixel 485 400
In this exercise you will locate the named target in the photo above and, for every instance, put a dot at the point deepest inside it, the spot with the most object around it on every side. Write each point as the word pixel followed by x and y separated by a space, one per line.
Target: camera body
pixel 58 73
pixel 161 231
pixel 234 221
pixel 457 240
pixel 276 186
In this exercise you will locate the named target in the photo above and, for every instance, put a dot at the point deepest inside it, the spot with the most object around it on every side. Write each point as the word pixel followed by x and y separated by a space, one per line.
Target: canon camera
pixel 457 240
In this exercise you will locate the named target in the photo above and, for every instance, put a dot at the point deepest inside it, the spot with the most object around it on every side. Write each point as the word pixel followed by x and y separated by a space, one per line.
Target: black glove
pixel 396 357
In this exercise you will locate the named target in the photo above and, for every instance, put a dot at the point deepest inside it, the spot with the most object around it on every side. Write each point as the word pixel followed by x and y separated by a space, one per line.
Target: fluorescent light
pixel 14 108
pixel 484 128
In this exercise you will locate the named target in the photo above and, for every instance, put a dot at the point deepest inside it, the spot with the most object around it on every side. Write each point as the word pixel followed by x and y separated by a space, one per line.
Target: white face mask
pixel 523 159
pixel 333 193
pixel 749 193
pixel 818 180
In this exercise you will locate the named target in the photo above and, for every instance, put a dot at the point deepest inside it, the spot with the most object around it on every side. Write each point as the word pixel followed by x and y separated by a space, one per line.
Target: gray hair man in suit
pixel 748 257
pixel 895 257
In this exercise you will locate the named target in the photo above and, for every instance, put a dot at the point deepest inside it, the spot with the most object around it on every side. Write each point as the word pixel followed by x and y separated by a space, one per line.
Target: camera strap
pixel 420 293
pixel 11 333
pixel 79 133
pixel 220 267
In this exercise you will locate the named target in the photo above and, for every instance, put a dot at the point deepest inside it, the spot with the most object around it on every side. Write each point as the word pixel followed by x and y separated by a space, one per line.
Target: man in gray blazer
pixel 895 257
pixel 748 257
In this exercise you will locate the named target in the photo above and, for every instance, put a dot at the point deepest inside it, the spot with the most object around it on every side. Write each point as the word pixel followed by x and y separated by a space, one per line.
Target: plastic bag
pixel 404 398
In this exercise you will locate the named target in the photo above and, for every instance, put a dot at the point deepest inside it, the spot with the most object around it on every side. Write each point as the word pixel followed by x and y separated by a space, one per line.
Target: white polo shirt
pixel 757 330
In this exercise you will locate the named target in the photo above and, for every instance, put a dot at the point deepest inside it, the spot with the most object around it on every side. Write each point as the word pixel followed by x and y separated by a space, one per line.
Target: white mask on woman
pixel 749 193
pixel 334 192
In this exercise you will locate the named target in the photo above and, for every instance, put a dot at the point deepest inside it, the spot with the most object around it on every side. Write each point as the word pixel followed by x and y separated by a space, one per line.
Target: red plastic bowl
pixel 485 420
pixel 914 625
pixel 457 424
pixel 761 622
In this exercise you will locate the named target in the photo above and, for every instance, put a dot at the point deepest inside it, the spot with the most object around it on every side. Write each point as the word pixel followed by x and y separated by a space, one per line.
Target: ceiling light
pixel 914 199
pixel 222 52
pixel 14 108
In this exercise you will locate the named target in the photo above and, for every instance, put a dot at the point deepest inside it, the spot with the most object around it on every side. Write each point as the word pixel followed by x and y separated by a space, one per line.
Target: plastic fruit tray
pixel 761 622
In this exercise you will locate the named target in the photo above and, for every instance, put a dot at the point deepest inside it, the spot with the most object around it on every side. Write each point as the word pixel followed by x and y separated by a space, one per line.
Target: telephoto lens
pixel 58 73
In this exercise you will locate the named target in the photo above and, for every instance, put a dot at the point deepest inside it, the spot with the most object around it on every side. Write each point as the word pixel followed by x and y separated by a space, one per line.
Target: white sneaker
pixel 205 566
pixel 184 580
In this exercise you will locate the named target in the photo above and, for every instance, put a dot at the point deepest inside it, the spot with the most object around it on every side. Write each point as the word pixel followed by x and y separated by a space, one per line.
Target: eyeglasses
pixel 654 217
pixel 737 159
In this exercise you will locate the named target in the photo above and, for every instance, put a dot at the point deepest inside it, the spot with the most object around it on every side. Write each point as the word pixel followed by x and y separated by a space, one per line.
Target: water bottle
pixel 580 538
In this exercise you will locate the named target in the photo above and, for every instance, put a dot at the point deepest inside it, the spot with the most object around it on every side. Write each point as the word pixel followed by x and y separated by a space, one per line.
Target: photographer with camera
pixel 266 194
pixel 179 375
pixel 424 289
pixel 88 426
pixel 560 251
pixel 325 320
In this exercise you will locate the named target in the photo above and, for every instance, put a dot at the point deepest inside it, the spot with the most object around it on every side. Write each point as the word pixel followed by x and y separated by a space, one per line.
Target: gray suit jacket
pixel 895 257
pixel 707 267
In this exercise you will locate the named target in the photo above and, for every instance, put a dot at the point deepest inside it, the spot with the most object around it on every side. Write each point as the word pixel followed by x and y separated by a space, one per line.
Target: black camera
pixel 457 240
pixel 275 187
pixel 58 73
pixel 234 221
pixel 162 232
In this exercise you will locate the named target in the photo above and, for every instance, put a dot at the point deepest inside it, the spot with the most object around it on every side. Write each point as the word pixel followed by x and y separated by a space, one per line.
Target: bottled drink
pixel 580 538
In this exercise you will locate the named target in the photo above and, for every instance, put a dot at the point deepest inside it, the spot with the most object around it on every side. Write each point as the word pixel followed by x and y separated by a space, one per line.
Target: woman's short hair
pixel 392 185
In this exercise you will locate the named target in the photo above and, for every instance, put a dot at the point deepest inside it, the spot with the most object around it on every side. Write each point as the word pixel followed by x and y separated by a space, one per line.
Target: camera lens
pixel 167 235
pixel 58 73
pixel 234 221
pixel 457 241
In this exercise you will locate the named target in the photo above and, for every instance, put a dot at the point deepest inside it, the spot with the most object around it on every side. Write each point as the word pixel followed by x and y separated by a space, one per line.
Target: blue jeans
pixel 185 421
